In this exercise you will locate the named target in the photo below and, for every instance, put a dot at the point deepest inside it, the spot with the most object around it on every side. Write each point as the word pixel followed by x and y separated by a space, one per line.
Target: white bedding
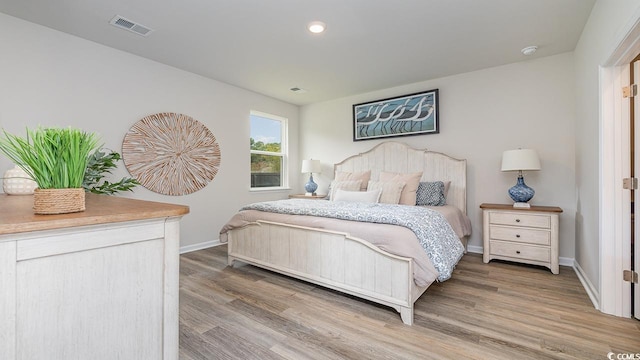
pixel 460 223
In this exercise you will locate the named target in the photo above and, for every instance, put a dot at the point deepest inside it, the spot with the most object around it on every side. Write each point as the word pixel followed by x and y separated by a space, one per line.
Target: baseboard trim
pixel 474 249
pixel 199 246
pixel 563 261
pixel 587 285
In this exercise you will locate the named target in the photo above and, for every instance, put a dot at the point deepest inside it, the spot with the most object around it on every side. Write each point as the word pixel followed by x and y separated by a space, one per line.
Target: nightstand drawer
pixel 506 218
pixel 522 235
pixel 520 251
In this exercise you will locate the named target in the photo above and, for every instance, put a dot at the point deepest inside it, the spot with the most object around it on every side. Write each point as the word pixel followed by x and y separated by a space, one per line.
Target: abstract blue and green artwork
pixel 412 114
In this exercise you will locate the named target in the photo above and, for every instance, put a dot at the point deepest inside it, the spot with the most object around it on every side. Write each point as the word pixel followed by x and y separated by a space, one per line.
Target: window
pixel 268 151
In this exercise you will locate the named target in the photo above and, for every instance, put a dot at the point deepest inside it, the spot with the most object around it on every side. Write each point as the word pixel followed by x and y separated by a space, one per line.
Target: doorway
pixel 613 296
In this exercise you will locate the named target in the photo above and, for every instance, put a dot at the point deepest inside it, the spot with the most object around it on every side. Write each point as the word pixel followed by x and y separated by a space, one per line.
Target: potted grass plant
pixel 56 159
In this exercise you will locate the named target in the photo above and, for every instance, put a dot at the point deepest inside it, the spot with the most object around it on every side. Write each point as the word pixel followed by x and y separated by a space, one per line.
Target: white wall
pixel 598 38
pixel 529 104
pixel 53 79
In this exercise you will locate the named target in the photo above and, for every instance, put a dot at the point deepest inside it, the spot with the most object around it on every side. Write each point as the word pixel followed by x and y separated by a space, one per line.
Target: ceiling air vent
pixel 129 25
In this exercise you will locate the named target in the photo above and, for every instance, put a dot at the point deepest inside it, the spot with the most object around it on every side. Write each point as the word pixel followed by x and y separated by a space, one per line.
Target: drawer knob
pixel 517 220
pixel 517 251
pixel 518 235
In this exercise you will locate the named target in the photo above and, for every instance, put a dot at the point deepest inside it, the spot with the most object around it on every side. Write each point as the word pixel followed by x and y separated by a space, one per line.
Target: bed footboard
pixel 331 259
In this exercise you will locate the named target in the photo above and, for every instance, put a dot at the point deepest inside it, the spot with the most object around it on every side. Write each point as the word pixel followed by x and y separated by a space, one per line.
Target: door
pixel 635 172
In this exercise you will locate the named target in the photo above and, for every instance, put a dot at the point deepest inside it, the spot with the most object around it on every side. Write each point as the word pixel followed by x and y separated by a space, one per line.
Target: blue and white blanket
pixel 434 233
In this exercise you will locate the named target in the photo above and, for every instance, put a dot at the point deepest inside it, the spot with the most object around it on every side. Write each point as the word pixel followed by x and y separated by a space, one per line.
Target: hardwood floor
pixel 485 311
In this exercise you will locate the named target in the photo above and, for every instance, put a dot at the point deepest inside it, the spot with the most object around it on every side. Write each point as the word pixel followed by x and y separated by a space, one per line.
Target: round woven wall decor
pixel 171 154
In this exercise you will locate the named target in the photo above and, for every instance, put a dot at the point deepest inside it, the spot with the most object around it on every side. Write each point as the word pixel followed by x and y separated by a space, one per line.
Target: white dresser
pixel 99 284
pixel 526 235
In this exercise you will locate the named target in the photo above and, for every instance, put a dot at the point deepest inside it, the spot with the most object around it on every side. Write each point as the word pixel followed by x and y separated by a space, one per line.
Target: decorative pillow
pixel 391 190
pixel 362 175
pixel 431 194
pixel 357 196
pixel 349 185
pixel 411 180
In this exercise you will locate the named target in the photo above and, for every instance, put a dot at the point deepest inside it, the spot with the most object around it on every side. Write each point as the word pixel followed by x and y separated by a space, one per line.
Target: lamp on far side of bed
pixel 520 160
pixel 311 166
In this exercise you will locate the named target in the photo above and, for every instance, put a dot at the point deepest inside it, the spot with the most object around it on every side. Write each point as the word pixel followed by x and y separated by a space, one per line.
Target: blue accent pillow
pixel 430 193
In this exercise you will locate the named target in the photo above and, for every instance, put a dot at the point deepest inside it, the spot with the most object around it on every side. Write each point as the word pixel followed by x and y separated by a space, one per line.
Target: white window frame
pixel 284 151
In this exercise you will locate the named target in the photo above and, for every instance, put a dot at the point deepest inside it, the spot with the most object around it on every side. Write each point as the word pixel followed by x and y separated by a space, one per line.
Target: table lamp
pixel 311 166
pixel 520 160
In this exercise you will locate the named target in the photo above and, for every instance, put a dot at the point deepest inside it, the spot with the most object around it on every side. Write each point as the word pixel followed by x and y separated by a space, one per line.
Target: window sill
pixel 270 189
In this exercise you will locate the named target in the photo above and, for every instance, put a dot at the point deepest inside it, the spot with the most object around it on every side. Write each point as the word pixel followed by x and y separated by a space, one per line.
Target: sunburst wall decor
pixel 171 154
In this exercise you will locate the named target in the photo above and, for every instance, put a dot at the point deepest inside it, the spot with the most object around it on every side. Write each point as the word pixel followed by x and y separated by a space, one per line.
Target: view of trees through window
pixel 265 163
pixel 267 151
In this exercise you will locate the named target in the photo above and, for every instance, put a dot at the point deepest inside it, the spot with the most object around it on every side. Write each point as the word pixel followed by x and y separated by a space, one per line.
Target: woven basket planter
pixel 58 201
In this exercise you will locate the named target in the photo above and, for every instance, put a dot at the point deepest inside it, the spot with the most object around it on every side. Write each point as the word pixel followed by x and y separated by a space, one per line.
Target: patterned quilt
pixel 434 233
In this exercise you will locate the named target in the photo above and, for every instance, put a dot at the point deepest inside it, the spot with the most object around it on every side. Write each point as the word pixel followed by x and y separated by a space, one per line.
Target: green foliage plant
pixel 102 163
pixel 55 158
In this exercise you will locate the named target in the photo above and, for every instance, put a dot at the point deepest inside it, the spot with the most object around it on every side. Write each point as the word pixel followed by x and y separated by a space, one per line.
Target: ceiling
pixel 264 46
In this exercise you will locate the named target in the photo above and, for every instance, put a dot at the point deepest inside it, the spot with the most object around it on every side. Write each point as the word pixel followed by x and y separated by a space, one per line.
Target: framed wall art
pixel 412 114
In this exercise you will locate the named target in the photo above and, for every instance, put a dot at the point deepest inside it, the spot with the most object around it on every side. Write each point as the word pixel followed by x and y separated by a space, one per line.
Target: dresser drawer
pixel 528 220
pixel 520 251
pixel 522 235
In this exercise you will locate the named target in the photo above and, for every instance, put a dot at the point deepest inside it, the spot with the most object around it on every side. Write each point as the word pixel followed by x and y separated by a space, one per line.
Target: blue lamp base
pixel 311 187
pixel 520 193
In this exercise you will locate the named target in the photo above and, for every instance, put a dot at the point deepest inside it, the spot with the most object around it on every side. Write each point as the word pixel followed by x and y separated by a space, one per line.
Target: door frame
pixel 634 123
pixel 615 203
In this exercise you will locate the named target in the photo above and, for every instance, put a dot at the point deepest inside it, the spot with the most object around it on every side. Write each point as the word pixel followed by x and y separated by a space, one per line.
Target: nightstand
pixel 303 196
pixel 526 235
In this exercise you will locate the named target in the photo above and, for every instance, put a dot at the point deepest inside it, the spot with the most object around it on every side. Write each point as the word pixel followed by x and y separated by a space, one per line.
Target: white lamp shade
pixel 311 166
pixel 521 159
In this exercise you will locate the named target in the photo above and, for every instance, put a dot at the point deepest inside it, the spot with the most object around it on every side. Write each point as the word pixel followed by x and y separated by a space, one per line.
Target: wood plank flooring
pixel 485 311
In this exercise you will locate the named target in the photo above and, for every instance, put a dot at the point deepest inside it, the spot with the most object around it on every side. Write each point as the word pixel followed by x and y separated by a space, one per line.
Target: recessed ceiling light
pixel 316 27
pixel 529 50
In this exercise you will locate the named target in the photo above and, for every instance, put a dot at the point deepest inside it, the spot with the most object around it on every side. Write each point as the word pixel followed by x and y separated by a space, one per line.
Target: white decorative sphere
pixel 17 182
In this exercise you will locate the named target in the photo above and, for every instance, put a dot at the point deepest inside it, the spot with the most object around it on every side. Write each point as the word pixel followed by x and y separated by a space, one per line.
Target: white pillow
pixel 349 185
pixel 357 196
pixel 390 190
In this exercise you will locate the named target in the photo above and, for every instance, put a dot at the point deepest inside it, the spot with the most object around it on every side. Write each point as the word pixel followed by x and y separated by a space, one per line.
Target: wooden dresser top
pixel 553 209
pixel 17 216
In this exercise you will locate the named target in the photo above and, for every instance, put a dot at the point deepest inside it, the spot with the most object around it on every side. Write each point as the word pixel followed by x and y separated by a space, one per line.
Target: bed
pixel 345 255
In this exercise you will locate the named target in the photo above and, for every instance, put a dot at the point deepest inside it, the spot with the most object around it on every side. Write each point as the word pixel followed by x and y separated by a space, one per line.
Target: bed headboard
pixel 398 157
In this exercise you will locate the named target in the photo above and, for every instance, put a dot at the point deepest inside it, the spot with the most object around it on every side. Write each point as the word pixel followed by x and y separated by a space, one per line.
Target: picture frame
pixel 412 114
